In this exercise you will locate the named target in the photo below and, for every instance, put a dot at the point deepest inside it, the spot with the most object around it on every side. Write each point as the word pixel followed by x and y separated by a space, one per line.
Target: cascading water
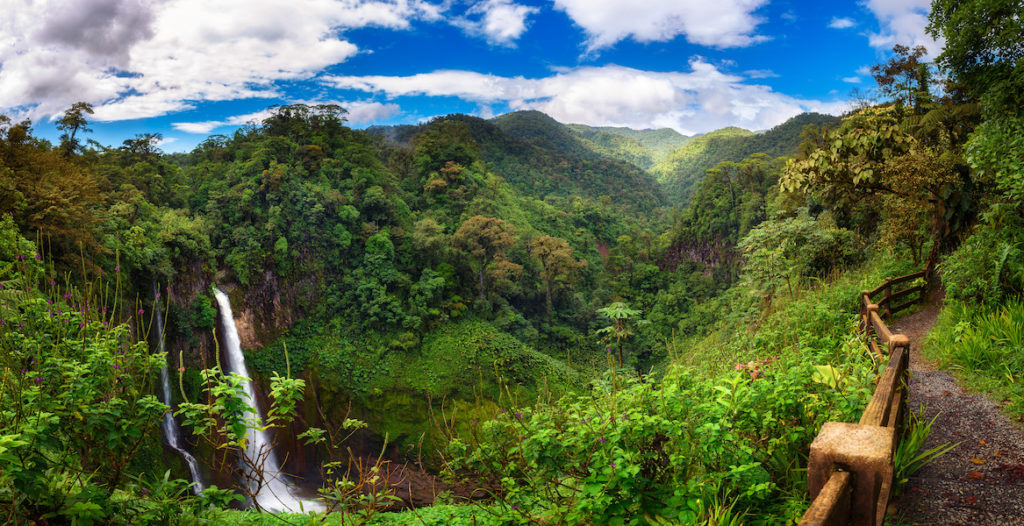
pixel 170 426
pixel 276 494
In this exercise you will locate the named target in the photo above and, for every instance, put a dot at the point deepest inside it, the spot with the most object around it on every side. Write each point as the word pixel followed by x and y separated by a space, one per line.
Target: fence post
pixel 866 452
pixel 888 299
pixel 865 316
pixel 901 341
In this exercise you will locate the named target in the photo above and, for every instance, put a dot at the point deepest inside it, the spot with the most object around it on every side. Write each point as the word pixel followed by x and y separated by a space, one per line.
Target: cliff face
pixel 710 254
pixel 268 307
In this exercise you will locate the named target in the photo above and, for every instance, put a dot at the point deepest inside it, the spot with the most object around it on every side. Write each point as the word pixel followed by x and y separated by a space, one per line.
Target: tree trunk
pixel 547 293
pixel 482 265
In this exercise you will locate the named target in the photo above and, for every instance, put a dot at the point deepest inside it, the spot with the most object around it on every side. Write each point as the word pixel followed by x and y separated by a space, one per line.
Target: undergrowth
pixel 984 346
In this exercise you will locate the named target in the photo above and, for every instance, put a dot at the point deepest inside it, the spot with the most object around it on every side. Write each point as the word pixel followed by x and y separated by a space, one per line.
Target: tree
pixel 906 78
pixel 983 48
pixel 486 239
pixel 557 265
pixel 623 324
pixel 870 157
pixel 71 123
pixel 143 147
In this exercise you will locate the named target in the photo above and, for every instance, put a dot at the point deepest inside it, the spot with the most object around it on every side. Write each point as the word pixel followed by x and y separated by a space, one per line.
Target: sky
pixel 187 69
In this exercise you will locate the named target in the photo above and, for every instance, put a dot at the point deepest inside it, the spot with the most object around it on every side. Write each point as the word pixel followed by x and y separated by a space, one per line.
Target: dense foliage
pixel 585 325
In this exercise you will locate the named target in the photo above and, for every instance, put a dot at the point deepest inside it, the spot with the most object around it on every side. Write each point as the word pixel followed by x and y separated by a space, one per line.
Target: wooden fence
pixel 850 469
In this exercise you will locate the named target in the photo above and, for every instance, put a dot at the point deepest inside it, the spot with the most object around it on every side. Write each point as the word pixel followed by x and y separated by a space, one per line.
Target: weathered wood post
pixel 898 413
pixel 865 320
pixel 863 450
pixel 888 300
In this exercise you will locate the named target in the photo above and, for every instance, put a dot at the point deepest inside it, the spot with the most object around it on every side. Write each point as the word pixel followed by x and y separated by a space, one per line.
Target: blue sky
pixel 191 68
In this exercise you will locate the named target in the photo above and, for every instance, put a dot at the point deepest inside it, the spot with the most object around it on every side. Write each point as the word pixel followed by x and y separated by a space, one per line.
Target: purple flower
pixel 116 366
pixel 519 416
pixel 24 371
pixel 39 256
pixel 141 311
pixel 515 507
pixel 81 325
pixel 52 282
pixel 67 295
pixel 39 379
pixel 158 295
pixel 602 440
pixel 502 411
pixel 613 465
pixel 117 268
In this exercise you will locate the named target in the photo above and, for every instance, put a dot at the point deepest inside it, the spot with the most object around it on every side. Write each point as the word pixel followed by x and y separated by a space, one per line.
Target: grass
pixel 984 347
pixel 813 319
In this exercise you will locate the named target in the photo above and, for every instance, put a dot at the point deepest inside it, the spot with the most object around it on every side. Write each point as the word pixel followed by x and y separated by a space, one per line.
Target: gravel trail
pixel 981 481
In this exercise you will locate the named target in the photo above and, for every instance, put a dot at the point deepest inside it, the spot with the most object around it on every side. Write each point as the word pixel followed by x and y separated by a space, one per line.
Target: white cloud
pixel 864 71
pixel 697 101
pixel 501 22
pixel 144 58
pixel 363 112
pixel 841 23
pixel 902 22
pixel 852 80
pixel 761 74
pixel 203 127
pixel 722 23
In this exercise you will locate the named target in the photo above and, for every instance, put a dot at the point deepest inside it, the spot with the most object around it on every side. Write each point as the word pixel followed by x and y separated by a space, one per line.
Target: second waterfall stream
pixel 277 493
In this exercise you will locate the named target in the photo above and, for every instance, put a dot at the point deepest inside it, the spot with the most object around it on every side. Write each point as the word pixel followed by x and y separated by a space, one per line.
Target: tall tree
pixel 906 77
pixel 983 48
pixel 556 262
pixel 71 123
pixel 486 239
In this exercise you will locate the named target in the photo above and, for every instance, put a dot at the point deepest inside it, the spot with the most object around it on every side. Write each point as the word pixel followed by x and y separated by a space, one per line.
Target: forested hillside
pixel 505 321
pixel 680 170
pixel 643 148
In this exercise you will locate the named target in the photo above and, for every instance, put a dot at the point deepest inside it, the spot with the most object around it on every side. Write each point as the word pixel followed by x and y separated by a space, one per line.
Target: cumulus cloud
pixel 360 112
pixel 760 73
pixel 697 101
pixel 851 80
pixel 501 22
pixel 841 23
pixel 902 22
pixel 144 58
pixel 722 23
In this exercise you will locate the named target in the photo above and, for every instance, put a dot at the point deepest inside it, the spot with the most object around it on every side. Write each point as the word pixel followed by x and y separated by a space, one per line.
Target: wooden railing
pixel 850 469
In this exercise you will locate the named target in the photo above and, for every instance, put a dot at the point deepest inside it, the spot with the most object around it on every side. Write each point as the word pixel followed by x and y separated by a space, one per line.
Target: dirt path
pixel 980 482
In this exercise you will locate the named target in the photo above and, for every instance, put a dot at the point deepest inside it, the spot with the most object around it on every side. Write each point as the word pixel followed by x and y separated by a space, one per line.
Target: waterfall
pixel 171 430
pixel 277 494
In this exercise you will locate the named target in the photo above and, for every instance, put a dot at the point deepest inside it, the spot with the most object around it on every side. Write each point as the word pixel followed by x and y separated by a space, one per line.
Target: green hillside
pixel 680 170
pixel 541 157
pixel 643 148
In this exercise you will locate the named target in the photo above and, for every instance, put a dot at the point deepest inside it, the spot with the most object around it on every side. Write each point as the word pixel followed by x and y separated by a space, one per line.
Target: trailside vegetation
pixel 551 324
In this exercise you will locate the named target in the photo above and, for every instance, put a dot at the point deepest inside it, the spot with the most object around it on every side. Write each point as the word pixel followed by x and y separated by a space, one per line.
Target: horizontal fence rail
pixel 850 467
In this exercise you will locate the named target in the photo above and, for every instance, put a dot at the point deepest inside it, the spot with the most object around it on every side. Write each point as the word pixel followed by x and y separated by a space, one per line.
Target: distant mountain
pixel 683 168
pixel 542 157
pixel 643 148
